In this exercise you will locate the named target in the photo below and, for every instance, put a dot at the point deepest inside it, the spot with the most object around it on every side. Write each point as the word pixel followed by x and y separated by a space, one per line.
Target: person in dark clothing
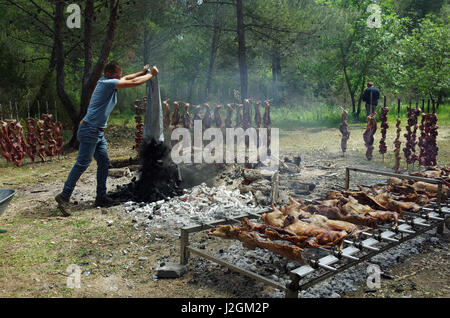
pixel 371 96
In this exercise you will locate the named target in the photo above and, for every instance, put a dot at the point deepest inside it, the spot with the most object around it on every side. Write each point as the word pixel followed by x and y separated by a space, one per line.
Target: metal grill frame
pixel 414 226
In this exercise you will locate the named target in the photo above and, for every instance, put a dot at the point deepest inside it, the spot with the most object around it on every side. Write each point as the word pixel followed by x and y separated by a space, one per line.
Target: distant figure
pixel 371 96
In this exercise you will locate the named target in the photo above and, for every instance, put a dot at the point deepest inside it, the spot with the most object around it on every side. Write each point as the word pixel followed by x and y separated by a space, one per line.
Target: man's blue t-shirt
pixel 103 101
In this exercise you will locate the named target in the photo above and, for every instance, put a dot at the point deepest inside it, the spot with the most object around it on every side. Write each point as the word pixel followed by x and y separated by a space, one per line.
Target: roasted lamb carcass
pixel 252 240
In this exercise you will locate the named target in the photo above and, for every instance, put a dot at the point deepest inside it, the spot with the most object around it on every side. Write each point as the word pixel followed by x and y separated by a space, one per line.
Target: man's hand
pixel 145 69
pixel 154 71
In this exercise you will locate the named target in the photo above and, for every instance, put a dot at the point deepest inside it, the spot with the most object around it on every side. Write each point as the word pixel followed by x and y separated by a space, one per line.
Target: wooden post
pixel 39 110
pixel 1 112
pixel 385 102
pixel 398 108
pixel 434 107
pixel 423 105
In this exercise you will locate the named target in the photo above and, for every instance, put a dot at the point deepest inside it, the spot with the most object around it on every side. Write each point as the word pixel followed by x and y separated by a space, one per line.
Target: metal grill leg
pixel 183 247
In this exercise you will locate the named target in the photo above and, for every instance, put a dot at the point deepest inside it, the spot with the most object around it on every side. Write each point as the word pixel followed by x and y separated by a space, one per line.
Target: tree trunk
pixel 276 75
pixel 212 57
pixel 44 85
pixel 242 49
pixel 60 75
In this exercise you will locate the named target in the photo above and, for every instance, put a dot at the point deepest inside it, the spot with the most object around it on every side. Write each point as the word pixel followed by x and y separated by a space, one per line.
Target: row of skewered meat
pixel 214 118
pixel 326 223
pixel 427 141
pixel 43 138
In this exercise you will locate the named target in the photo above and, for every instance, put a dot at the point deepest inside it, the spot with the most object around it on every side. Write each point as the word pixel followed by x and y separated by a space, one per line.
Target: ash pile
pixel 158 179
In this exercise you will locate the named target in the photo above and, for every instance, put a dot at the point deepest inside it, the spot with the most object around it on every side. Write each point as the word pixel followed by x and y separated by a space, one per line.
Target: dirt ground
pixel 118 261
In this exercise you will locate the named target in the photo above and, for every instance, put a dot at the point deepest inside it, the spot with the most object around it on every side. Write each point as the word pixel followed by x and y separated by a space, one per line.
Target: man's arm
pixel 124 83
pixel 133 76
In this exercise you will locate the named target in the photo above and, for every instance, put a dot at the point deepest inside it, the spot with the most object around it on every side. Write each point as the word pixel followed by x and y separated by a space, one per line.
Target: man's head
pixel 370 84
pixel 113 70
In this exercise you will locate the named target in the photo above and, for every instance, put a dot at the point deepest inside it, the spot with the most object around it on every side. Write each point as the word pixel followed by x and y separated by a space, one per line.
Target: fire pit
pixel 329 262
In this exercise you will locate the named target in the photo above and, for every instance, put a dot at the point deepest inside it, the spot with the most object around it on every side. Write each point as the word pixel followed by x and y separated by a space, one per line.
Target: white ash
pixel 274 267
pixel 200 204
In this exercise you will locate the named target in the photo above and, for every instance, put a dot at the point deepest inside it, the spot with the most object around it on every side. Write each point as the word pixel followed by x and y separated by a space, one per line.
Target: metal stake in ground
pixel 153 127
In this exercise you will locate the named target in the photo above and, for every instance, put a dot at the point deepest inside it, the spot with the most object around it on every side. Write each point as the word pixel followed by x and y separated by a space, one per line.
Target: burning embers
pixel 328 222
pixel 158 177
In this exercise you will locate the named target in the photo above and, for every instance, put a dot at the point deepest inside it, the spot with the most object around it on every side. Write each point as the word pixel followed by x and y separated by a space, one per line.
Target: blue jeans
pixel 92 144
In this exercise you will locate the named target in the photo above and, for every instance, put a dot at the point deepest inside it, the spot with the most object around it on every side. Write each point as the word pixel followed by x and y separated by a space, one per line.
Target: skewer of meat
pixel 57 130
pixel 369 135
pixel 197 110
pixel 218 116
pixel 247 115
pixel 384 128
pixel 176 115
pixel 48 134
pixel 166 115
pixel 410 136
pixel 187 120
pixel 229 119
pixel 5 141
pixel 258 118
pixel 343 128
pixel 207 120
pixel 239 118
pixel 397 144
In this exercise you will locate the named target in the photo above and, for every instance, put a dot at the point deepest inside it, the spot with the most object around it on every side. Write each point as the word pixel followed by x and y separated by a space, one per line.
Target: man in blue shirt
pixel 91 132
pixel 371 96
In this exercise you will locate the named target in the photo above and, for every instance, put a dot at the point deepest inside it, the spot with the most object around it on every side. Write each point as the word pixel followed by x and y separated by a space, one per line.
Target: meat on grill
pixel 411 131
pixel 369 135
pixel 252 240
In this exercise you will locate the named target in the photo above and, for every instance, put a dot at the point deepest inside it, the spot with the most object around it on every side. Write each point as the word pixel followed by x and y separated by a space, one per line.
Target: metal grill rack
pixel 353 252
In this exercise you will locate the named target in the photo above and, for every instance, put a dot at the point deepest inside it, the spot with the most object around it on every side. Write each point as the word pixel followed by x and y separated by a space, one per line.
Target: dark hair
pixel 112 67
